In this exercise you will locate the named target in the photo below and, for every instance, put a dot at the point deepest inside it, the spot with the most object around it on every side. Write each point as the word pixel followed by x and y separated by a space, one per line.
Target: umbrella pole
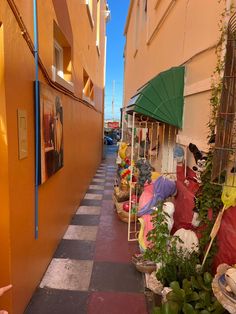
pixel 207 252
pixel 214 232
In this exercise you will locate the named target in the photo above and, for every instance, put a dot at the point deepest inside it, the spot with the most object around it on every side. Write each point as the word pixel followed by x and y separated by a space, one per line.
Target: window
pixel 145 5
pixel 144 10
pixel 58 57
pixel 107 13
pixel 157 4
pixel 157 14
pixel 89 4
pixel 62 60
pixel 88 90
pixel 136 34
pixel 98 26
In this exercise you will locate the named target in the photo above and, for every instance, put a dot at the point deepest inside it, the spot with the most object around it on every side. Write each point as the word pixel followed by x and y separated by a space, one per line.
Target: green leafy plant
pixel 175 263
pixel 216 79
pixel 179 266
pixel 208 198
pixel 159 236
pixel 192 297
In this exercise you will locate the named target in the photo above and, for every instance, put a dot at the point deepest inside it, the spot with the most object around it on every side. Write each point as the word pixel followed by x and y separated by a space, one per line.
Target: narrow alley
pixel 118 156
pixel 91 271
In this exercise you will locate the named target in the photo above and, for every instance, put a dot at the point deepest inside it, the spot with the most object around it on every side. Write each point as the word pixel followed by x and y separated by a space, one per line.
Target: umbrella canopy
pixel 162 98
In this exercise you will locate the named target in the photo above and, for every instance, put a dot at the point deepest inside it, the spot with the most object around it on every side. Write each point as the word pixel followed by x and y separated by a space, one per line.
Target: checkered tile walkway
pixel 91 270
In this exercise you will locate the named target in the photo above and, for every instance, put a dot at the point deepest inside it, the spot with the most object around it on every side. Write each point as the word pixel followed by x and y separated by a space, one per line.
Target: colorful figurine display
pixel 122 150
pixel 134 202
pixel 124 166
pixel 145 171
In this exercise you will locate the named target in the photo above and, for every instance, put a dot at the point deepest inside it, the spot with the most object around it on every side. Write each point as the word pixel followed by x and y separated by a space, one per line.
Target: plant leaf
pixel 188 309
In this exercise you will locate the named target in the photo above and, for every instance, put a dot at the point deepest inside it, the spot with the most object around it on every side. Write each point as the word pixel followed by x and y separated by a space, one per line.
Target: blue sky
pixel 115 47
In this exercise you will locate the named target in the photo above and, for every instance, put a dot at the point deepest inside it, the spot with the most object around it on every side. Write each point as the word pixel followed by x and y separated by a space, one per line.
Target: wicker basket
pixel 145 267
pixel 122 214
pixel 121 196
pixel 142 265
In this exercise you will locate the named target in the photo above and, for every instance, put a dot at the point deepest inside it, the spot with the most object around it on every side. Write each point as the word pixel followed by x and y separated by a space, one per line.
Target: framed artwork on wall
pixel 51 132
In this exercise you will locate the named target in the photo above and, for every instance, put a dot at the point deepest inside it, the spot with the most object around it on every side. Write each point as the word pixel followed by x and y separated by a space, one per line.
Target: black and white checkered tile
pixel 91 270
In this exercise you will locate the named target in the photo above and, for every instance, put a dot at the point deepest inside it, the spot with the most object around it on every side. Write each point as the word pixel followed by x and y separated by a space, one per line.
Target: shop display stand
pixel 146 127
pixel 159 141
pixel 132 228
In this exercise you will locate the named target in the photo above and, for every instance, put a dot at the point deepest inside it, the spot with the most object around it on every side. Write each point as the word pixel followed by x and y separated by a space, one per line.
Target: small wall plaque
pixel 22 133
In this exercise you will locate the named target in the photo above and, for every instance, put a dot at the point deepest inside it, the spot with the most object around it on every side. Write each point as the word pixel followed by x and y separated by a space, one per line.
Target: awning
pixel 162 98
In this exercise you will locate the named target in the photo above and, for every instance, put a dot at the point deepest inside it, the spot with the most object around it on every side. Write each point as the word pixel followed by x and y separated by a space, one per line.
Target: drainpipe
pixel 36 95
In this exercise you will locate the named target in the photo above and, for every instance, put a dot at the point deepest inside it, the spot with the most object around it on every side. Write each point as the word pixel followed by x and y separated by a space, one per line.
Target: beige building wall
pixel 23 258
pixel 173 33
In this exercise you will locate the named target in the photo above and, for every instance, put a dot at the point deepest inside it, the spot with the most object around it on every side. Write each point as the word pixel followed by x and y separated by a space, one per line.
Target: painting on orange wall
pixel 51 133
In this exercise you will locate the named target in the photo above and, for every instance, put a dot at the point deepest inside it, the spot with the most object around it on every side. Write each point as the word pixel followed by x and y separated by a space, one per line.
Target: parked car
pixel 108 140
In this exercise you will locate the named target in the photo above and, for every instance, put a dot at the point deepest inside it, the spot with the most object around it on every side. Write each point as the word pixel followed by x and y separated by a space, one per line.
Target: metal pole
pixel 122 125
pixel 37 115
pixel 168 149
pixel 113 100
pixel 145 141
pixel 151 138
pixel 139 140
pixel 174 164
pixel 163 147
pixel 131 174
pixel 185 161
pixel 157 137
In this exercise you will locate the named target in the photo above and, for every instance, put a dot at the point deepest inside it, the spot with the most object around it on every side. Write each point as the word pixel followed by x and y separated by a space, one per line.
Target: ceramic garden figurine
pixel 230 277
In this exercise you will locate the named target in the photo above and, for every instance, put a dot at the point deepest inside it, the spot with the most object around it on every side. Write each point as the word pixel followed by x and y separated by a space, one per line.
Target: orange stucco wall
pixel 5 277
pixel 25 259
pixel 186 35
